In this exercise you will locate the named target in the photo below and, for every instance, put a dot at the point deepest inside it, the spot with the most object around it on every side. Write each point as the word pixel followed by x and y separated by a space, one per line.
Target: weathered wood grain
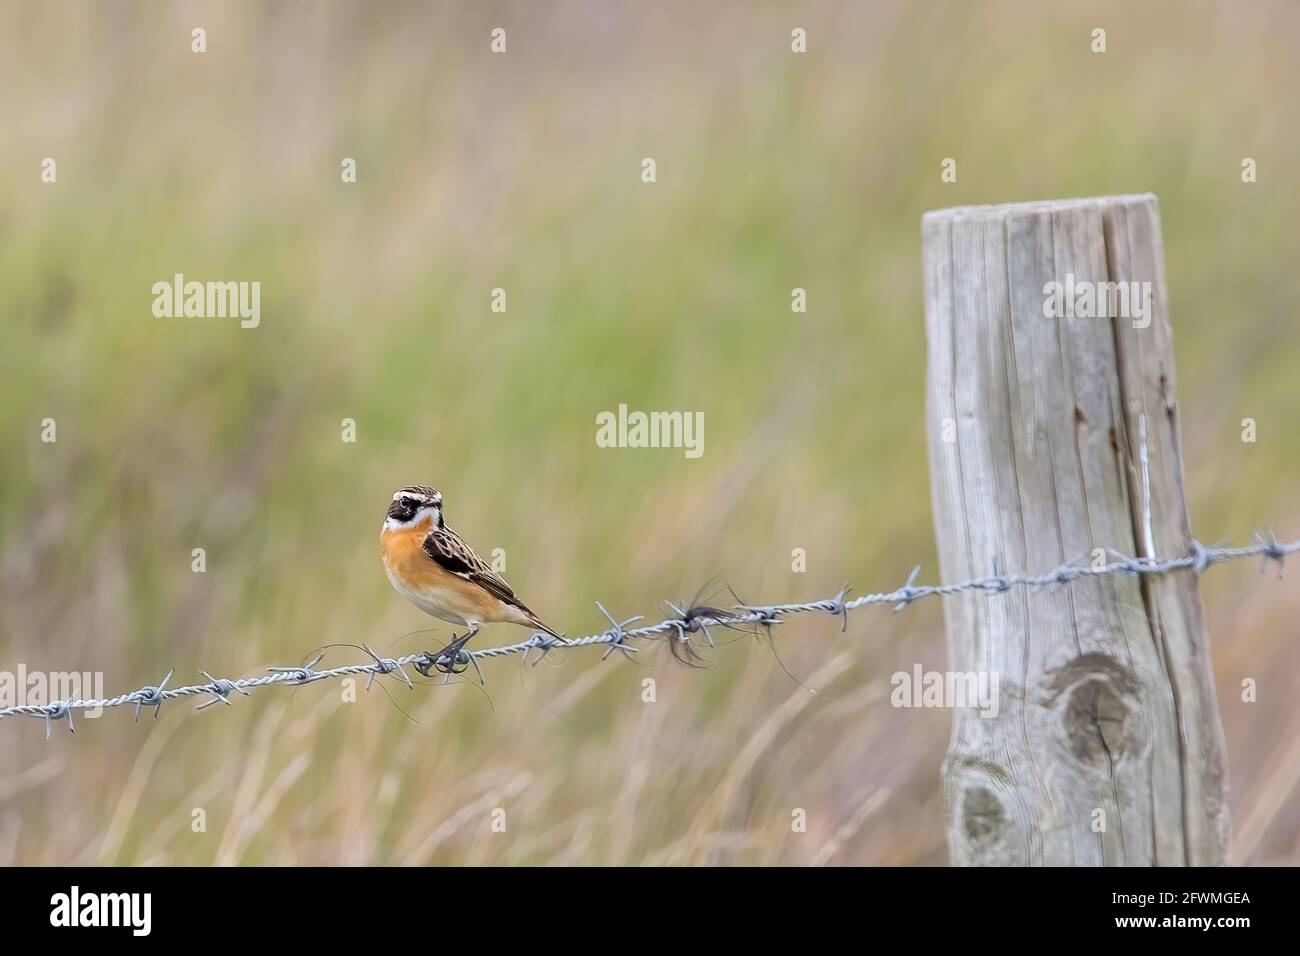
pixel 1107 749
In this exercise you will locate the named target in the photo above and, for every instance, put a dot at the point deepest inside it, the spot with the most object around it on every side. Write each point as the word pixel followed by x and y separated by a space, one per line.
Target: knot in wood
pixel 1097 706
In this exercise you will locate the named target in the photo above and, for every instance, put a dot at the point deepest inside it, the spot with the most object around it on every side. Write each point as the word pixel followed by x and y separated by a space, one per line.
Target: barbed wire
pixel 454 660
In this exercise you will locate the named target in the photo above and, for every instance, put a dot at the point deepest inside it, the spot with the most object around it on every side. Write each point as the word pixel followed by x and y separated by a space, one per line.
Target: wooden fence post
pixel 1107 747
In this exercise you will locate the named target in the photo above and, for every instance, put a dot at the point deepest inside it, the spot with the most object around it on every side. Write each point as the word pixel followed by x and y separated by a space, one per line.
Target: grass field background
pixel 522 171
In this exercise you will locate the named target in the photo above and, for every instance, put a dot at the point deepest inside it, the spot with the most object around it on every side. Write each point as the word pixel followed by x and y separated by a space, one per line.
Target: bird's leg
pixel 453 659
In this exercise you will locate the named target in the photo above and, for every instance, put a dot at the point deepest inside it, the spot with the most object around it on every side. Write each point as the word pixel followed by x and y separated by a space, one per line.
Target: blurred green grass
pixel 522 171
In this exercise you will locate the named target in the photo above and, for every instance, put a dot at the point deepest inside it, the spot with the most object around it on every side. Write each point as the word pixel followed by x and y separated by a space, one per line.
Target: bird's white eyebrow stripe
pixel 409 494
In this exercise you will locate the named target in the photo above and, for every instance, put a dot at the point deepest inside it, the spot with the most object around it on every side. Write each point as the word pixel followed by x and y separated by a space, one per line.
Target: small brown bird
pixel 432 567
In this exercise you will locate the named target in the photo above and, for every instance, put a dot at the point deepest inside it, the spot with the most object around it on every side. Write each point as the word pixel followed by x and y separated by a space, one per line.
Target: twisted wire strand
pixel 685 623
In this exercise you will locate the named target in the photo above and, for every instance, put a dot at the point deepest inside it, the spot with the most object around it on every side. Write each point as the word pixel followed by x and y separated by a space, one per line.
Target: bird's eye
pixel 408 504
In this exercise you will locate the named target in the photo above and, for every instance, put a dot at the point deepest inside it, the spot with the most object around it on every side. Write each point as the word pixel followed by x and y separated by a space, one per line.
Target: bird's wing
pixel 450 551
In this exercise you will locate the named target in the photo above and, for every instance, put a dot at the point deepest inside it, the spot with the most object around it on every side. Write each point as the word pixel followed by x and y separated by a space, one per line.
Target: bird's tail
pixel 541 625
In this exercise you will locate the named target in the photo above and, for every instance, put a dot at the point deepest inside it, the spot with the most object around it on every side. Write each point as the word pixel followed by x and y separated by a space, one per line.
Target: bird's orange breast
pixel 427 584
pixel 403 552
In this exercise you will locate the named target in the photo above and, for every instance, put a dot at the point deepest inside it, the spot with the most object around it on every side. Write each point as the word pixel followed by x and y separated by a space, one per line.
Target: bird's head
pixel 412 505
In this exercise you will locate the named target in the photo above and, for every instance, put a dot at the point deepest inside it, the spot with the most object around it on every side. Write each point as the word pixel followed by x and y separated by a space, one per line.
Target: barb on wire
pixel 676 630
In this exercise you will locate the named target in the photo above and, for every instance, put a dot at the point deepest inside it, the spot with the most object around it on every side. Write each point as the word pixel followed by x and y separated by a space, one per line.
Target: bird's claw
pixel 452 659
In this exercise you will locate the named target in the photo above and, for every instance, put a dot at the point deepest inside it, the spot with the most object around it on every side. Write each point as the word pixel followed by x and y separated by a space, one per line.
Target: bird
pixel 435 569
